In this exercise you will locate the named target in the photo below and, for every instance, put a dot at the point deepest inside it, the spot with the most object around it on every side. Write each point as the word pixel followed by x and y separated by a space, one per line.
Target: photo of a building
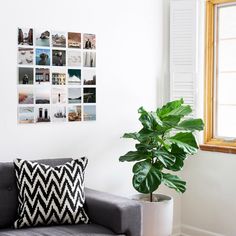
pixel 42 76
pixel 89 59
pixel 74 40
pixel 43 114
pixel 59 39
pixel 89 77
pixel 58 78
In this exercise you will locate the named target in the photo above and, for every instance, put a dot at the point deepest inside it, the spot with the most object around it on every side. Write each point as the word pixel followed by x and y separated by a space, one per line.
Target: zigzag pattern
pixel 50 195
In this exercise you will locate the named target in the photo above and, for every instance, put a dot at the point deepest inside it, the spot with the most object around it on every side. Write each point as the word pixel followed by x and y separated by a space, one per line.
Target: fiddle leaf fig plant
pixel 164 142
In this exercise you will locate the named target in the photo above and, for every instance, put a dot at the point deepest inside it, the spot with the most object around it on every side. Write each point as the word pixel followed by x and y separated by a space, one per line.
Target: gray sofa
pixel 109 214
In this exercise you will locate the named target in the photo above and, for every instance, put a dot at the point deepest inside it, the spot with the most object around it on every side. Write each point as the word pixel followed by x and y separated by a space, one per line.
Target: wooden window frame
pixel 211 143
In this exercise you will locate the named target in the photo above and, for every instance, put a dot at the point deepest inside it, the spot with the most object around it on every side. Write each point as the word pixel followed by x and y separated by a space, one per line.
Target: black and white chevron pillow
pixel 50 195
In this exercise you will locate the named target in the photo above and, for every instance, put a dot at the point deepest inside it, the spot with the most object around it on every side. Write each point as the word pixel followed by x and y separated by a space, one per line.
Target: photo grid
pixel 56 76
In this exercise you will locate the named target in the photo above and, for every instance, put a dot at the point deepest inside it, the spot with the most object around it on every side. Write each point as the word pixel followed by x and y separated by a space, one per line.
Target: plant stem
pixel 151 197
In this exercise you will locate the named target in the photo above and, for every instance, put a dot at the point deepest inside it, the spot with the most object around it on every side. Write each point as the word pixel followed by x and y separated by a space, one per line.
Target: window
pixel 220 81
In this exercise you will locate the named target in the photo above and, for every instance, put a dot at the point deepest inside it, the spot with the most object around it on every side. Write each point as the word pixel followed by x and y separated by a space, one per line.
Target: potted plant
pixel 164 142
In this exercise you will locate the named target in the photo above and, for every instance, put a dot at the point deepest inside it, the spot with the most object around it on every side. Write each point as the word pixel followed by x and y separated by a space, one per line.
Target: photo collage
pixel 56 79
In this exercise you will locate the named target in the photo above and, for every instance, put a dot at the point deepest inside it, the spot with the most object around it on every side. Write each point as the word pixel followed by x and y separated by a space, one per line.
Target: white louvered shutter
pixel 183 51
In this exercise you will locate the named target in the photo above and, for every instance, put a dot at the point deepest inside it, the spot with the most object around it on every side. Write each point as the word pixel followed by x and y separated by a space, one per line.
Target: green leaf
pixel 173 181
pixel 191 124
pixel 131 135
pixel 151 121
pixel 145 134
pixel 147 177
pixel 185 141
pixel 181 111
pixel 166 158
pixel 177 166
pixel 145 119
pixel 133 156
pixel 171 121
pixel 178 152
pixel 168 107
pixel 143 147
pixel 174 108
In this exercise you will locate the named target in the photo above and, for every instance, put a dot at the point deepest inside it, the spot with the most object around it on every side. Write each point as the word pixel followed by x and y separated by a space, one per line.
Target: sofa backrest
pixel 9 192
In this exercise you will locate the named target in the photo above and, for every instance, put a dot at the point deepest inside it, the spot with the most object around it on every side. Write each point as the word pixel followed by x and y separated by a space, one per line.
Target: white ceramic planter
pixel 157 216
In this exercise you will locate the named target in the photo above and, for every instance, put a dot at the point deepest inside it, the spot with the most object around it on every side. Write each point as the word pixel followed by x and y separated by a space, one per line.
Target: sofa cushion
pixel 8 195
pixel 9 191
pixel 62 230
pixel 50 195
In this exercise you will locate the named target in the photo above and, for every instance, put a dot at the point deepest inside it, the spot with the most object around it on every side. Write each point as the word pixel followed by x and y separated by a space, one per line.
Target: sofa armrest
pixel 121 215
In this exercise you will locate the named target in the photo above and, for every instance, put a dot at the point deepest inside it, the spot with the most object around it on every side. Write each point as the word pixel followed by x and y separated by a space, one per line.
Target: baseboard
pixel 176 231
pixel 187 230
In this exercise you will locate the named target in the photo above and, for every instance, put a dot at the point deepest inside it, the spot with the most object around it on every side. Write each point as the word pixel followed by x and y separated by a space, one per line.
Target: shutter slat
pixel 183 51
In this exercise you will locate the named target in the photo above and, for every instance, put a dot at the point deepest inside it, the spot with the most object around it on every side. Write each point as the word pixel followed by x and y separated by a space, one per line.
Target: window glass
pixel 225 72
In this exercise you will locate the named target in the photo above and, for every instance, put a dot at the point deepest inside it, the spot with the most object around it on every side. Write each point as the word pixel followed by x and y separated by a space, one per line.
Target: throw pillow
pixel 50 195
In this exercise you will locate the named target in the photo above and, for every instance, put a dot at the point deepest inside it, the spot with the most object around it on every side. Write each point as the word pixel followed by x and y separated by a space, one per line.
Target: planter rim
pixel 163 197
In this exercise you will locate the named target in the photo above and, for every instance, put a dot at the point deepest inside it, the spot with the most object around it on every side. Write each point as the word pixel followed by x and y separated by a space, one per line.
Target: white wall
pixel 132 55
pixel 208 206
pixel 209 203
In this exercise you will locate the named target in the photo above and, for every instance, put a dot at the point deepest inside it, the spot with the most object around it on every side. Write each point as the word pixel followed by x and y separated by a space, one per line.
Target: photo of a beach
pixel 74 58
pixel 89 113
pixel 25 56
pixel 42 95
pixel 74 95
pixel 25 95
pixel 42 38
pixel 74 113
pixel 26 115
